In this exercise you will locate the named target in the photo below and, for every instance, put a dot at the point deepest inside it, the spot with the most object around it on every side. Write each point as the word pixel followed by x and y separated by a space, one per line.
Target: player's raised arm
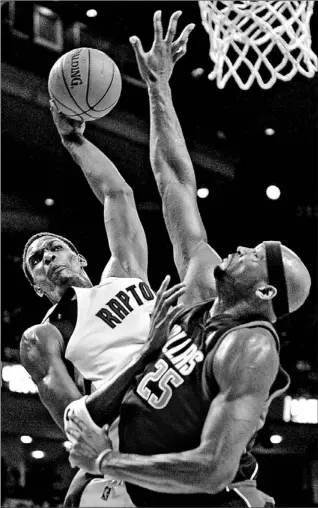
pixel 124 230
pixel 171 163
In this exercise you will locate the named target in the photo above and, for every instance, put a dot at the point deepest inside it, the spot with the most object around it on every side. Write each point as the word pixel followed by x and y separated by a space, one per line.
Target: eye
pixel 34 261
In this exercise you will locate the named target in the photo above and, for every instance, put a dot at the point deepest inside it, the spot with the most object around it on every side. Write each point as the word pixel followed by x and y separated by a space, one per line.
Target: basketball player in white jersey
pixel 91 332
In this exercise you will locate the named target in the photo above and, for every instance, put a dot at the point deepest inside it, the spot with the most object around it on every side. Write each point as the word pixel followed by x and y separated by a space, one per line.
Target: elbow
pixel 124 191
pixel 211 478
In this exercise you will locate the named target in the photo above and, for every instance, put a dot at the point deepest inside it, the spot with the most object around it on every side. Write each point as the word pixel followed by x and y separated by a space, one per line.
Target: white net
pixel 259 40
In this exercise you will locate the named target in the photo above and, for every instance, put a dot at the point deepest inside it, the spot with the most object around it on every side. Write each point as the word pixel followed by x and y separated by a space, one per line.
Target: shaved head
pixel 297 278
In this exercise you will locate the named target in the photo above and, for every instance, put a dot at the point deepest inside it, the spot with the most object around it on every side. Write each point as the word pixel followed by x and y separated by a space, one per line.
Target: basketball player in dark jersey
pixel 187 423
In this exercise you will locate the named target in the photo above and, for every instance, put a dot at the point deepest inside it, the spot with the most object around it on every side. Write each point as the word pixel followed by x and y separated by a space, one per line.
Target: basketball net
pixel 259 40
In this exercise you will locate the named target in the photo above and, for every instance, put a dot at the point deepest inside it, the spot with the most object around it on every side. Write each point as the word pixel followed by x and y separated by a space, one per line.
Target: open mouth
pixel 226 261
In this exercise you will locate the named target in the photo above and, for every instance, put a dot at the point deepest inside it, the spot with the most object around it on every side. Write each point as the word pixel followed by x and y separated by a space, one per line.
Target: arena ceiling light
pixel 91 13
pixel 276 439
pixel 26 439
pixel 273 192
pixel 203 192
pixel 37 454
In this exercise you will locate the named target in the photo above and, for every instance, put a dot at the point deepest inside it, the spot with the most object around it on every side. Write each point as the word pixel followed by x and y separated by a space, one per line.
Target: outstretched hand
pixel 67 127
pixel 163 314
pixel 159 62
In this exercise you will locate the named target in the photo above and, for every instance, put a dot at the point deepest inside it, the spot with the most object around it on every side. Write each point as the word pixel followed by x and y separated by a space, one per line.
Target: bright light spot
pixel 45 11
pixel 49 202
pixel 38 454
pixel 273 192
pixel 18 379
pixel 196 73
pixel 26 439
pixel 269 132
pixel 300 410
pixel 91 13
pixel 67 445
pixel 276 439
pixel 203 192
pixel 221 135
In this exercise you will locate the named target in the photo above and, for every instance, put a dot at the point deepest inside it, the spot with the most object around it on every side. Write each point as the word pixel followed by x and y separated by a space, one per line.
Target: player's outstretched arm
pixel 41 350
pixel 171 163
pixel 245 376
pixel 126 237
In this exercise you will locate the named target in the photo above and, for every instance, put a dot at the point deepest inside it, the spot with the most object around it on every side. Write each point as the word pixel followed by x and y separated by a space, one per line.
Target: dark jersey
pixel 165 410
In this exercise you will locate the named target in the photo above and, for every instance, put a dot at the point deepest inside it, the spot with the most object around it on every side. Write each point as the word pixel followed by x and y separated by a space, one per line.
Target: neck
pixel 237 309
pixel 80 282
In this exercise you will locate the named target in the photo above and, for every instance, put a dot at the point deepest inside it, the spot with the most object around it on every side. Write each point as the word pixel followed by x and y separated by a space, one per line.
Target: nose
pixel 48 257
pixel 241 250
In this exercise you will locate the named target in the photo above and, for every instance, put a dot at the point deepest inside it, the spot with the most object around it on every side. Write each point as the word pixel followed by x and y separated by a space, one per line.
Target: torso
pixel 166 408
pixel 108 326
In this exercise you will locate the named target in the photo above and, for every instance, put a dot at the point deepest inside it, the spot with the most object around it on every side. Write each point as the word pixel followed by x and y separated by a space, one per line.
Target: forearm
pixel 103 405
pixel 101 174
pixel 56 391
pixel 174 473
pixel 169 156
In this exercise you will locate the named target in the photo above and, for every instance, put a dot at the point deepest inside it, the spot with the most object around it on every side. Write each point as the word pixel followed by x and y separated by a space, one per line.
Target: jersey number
pixel 163 376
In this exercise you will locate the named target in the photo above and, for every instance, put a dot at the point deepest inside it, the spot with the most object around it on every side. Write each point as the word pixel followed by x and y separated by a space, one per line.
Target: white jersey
pixel 113 321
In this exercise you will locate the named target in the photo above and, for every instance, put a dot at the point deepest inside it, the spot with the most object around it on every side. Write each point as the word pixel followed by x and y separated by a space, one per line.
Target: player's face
pixel 245 267
pixel 53 264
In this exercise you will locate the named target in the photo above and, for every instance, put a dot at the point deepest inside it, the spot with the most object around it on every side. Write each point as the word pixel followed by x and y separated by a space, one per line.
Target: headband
pixel 276 277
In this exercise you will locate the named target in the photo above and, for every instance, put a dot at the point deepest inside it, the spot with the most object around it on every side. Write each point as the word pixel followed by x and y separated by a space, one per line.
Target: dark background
pixel 233 157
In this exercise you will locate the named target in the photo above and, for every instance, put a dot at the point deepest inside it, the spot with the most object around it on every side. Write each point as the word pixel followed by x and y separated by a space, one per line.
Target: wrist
pixel 159 85
pixel 100 462
pixel 72 138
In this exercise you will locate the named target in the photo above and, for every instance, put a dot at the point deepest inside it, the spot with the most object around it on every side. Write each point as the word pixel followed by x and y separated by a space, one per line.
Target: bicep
pixel 126 236
pixel 245 367
pixel 57 390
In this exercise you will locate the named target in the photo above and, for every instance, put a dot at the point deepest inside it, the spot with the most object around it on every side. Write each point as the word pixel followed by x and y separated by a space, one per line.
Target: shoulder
pixel 40 336
pixel 249 355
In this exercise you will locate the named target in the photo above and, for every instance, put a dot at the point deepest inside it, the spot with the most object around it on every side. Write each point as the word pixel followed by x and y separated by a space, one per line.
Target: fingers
pixel 164 285
pixel 173 291
pixel 174 296
pixel 173 311
pixel 105 429
pixel 172 28
pixel 179 47
pixel 137 46
pixel 157 26
pixel 78 423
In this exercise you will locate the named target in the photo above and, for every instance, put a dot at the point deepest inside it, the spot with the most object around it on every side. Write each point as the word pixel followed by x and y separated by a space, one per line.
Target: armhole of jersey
pixel 282 375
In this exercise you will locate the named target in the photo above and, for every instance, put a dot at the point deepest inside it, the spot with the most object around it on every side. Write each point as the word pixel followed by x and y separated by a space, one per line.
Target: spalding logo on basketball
pixel 85 84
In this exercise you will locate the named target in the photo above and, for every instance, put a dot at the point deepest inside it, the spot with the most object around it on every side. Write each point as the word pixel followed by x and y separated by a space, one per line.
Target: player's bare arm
pixel 126 237
pixel 245 367
pixel 41 349
pixel 171 163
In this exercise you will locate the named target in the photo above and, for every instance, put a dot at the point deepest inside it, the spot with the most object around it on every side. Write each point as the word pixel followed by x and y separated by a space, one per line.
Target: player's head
pixel 270 276
pixel 51 263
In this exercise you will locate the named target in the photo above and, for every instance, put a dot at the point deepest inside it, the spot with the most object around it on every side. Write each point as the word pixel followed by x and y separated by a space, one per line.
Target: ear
pixel 82 261
pixel 266 292
pixel 38 291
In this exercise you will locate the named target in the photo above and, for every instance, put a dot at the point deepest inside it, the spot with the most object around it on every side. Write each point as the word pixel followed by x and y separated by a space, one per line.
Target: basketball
pixel 85 84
